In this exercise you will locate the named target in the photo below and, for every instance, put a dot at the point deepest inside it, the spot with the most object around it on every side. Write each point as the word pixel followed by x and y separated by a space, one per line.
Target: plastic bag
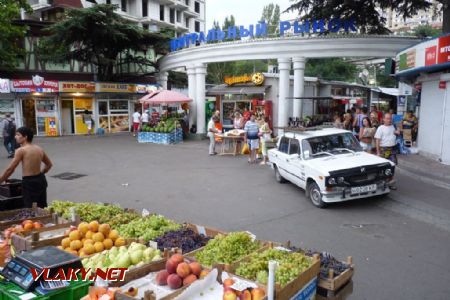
pixel 245 149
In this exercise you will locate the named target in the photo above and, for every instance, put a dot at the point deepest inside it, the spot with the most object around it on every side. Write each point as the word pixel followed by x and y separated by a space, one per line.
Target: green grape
pixel 147 228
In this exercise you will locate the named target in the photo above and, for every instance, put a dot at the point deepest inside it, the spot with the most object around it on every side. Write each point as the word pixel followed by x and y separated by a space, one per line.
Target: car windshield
pixel 330 145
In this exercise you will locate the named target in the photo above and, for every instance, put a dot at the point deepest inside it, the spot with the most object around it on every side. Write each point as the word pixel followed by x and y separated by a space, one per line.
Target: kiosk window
pixel 284 145
pixel 294 147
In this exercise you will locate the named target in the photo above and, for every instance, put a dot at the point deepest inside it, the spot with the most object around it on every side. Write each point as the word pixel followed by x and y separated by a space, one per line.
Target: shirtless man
pixel 34 184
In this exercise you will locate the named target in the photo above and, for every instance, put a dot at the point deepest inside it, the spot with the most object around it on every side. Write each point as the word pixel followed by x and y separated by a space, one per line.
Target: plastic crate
pixel 12 188
pixel 76 291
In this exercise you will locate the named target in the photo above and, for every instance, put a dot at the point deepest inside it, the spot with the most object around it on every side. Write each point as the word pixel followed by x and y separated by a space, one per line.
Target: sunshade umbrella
pixel 164 97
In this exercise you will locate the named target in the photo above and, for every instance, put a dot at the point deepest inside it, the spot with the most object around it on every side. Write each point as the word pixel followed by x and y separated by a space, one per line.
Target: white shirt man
pixel 386 139
pixel 211 131
pixel 145 117
pixel 136 122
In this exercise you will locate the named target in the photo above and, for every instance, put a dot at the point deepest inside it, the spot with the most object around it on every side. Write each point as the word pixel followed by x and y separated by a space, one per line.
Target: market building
pixel 425 68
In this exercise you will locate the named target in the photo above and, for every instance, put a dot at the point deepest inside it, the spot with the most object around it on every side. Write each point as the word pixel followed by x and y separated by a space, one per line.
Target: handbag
pixel 245 149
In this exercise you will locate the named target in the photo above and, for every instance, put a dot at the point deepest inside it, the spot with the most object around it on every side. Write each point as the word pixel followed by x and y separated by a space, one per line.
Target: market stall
pixel 165 127
pixel 162 258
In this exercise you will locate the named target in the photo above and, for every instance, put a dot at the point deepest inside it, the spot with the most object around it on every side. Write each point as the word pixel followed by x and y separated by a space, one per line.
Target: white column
pixel 200 75
pixel 299 85
pixel 163 78
pixel 284 66
pixel 190 70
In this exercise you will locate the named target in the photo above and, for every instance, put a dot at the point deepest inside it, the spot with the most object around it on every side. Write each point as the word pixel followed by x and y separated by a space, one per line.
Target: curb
pixel 435 182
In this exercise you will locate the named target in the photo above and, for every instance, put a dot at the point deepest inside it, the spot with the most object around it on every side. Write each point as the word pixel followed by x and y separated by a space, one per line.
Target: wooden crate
pixel 333 284
pixel 43 214
pixel 292 288
pixel 341 294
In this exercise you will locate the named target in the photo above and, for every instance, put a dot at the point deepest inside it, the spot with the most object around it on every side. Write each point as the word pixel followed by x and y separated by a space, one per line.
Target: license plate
pixel 363 189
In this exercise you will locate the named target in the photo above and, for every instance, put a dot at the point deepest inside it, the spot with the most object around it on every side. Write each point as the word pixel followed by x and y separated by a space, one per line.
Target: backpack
pixel 10 128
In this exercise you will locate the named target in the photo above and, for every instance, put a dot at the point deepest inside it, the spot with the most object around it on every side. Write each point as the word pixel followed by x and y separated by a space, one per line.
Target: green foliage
pixel 271 15
pixel 365 12
pixel 97 36
pixel 331 69
pixel 424 31
pixel 10 33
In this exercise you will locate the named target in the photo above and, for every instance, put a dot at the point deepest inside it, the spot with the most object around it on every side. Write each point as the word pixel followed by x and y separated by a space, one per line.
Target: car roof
pixel 313 133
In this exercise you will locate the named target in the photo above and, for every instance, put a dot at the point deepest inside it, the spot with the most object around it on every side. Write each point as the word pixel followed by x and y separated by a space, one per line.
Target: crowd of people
pixel 377 132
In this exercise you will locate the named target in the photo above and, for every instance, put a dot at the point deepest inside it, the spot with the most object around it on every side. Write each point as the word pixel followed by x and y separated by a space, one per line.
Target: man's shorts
pixel 135 126
pixel 253 144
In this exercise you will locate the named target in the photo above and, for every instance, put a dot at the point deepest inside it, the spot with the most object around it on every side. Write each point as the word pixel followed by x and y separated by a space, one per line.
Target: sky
pixel 246 12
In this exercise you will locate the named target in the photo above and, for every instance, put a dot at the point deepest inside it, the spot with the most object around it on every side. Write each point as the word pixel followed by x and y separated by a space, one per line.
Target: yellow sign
pixel 50 127
pixel 116 88
pixel 256 78
pixel 77 87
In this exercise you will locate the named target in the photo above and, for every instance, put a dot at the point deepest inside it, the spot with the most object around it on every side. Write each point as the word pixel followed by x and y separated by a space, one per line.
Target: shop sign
pixel 430 56
pixel 256 78
pixel 260 30
pixel 407 60
pixel 50 127
pixel 146 88
pixel 36 84
pixel 116 88
pixel 77 87
pixel 4 86
pixel 442 85
pixel 444 49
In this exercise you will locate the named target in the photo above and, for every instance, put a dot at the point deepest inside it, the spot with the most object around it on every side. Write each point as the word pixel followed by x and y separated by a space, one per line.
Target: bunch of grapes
pixel 290 266
pixel 147 228
pixel 227 248
pixel 185 239
pixel 122 218
pixel 88 212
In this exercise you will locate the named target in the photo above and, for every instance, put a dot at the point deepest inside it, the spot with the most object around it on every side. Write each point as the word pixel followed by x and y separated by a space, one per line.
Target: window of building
pixel 108 1
pixel 197 26
pixel 178 16
pixel 187 22
pixel 144 8
pixel 124 5
pixel 145 26
pixel 187 2
pixel 161 12
pixel 197 7
pixel 172 15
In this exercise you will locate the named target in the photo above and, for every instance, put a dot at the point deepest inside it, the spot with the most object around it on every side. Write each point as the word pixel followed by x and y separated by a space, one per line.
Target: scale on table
pixel 18 269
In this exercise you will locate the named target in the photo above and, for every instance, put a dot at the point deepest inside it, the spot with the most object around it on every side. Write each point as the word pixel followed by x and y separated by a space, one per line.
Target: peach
pixel 203 274
pixel 178 258
pixel 171 266
pixel 174 281
pixel 189 279
pixel 161 277
pixel 228 282
pixel 183 270
pixel 229 295
pixel 196 268
pixel 258 294
pixel 245 295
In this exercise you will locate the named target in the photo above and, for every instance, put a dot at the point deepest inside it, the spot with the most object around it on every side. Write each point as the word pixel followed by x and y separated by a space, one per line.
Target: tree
pixel 271 16
pixel 424 31
pixel 331 69
pixel 10 33
pixel 97 35
pixel 366 13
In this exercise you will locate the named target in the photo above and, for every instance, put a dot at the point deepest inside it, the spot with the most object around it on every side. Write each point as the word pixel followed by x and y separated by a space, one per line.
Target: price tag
pixel 251 235
pixel 282 249
pixel 145 213
pixel 153 244
pixel 240 285
pixel 201 230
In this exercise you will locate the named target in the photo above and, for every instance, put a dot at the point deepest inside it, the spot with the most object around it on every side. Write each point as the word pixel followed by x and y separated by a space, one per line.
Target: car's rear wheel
pixel 278 177
pixel 315 195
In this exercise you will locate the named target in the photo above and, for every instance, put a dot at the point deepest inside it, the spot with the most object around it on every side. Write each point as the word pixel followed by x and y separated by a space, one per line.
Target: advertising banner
pixel 116 88
pixel 4 86
pixel 430 56
pixel 444 49
pixel 77 87
pixel 36 84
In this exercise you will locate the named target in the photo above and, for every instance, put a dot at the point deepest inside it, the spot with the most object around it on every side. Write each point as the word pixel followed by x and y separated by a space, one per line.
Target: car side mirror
pixel 306 154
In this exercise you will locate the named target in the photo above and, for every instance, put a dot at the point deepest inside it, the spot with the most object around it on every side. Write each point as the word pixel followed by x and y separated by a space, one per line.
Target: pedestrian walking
pixel 34 183
pixel 136 121
pixel 374 119
pixel 410 122
pixel 211 131
pixel 9 131
pixel 252 137
pixel 265 133
pixel 386 137
pixel 88 121
pixel 366 134
pixel 145 118
pixel 361 113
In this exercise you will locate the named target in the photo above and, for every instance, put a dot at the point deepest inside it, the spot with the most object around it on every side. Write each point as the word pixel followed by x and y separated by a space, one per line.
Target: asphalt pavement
pixel 400 243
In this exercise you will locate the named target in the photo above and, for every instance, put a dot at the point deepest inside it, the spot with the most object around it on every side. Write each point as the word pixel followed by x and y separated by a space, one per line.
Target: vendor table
pixel 230 144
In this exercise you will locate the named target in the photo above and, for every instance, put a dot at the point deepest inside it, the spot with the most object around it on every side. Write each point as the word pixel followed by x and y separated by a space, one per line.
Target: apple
pixel 229 295
pixel 245 295
pixel 228 282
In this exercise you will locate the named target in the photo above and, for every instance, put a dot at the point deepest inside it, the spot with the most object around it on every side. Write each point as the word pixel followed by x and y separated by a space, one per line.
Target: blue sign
pixel 260 30
pixel 308 292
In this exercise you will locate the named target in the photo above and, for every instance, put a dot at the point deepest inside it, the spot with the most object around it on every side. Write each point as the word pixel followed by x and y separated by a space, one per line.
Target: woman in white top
pixel 145 117
pixel 238 122
pixel 366 134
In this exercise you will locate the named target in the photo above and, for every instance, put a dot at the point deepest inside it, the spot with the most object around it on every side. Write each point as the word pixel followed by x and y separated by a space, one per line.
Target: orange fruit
pixel 119 242
pixel 93 226
pixel 98 237
pixel 88 241
pixel 105 229
pixel 89 249
pixel 113 234
pixel 88 235
pixel 65 242
pixel 83 227
pixel 108 243
pixel 74 235
pixel 76 245
pixel 99 247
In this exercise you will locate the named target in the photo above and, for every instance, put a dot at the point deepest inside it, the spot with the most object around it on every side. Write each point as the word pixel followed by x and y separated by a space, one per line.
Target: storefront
pixel 38 102
pixel 75 99
pixel 7 100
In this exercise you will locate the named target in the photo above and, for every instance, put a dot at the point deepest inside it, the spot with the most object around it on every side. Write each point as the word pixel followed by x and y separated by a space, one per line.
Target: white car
pixel 330 166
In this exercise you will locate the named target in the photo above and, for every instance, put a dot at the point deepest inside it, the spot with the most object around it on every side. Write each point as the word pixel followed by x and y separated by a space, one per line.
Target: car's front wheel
pixel 315 195
pixel 278 177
